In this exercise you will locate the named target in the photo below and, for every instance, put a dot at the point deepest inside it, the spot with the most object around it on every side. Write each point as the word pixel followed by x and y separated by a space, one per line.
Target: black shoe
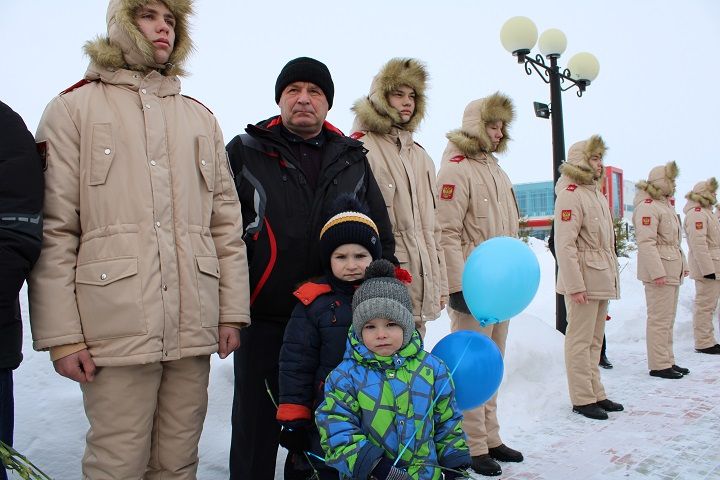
pixel 666 373
pixel 714 350
pixel 591 410
pixel 504 453
pixel 610 406
pixel 485 465
pixel 682 370
pixel 605 363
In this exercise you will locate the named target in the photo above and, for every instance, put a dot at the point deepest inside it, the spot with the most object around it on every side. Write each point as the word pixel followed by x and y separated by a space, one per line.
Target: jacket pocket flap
pixel 209 266
pixel 206 164
pixel 597 264
pixel 105 272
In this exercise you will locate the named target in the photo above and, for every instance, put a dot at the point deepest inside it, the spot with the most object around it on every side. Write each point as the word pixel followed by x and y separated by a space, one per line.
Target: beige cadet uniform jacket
pixel 584 241
pixel 142 256
pixel 476 203
pixel 406 176
pixel 658 234
pixel 702 228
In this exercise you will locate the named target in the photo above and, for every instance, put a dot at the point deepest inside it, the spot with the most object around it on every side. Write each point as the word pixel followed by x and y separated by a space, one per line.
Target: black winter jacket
pixel 21 197
pixel 283 215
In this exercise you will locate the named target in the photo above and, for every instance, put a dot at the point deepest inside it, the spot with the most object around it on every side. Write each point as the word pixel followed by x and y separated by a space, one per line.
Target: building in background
pixel 536 201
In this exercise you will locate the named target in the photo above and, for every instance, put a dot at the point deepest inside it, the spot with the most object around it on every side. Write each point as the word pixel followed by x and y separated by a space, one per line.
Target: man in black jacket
pixel 288 171
pixel 21 196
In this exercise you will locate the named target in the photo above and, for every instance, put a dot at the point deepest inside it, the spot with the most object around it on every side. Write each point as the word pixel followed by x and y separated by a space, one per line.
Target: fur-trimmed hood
pixel 704 192
pixel 375 114
pixel 661 181
pixel 472 138
pixel 126 47
pixel 577 167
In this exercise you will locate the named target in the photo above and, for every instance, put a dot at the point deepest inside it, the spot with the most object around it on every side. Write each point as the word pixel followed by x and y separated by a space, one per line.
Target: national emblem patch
pixel 646 221
pixel 699 225
pixel 447 191
pixel 566 215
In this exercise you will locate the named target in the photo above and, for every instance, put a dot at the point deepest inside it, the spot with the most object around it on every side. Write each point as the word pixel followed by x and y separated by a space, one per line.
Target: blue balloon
pixel 500 279
pixel 475 364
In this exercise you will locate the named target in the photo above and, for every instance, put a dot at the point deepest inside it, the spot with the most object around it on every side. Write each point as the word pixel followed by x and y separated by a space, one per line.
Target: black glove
pixel 457 472
pixel 385 470
pixel 710 276
pixel 295 439
pixel 457 303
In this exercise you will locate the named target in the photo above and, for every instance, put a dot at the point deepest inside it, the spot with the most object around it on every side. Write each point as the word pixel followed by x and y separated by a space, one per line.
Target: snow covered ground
pixel 669 430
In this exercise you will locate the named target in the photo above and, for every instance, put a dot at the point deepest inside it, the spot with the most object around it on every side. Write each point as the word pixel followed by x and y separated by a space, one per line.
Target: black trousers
pixel 254 443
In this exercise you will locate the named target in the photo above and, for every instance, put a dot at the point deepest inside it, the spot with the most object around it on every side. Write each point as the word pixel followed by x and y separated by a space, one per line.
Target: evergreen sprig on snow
pixel 14 461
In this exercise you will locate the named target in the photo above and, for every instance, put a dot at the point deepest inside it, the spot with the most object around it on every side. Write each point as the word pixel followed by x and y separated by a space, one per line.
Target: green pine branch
pixel 14 461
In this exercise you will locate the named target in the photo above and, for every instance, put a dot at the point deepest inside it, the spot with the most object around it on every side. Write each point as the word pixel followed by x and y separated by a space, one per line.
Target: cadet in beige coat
pixel 143 271
pixel 587 272
pixel 661 265
pixel 385 122
pixel 477 203
pixel 702 229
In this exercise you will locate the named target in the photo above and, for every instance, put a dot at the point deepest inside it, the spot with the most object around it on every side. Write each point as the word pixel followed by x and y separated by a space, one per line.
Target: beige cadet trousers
pixel 146 420
pixel 583 341
pixel 661 303
pixel 481 424
pixel 707 293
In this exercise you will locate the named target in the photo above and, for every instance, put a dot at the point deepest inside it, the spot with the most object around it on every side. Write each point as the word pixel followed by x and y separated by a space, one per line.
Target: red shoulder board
pixel 357 135
pixel 672 201
pixel 198 101
pixel 309 291
pixel 697 209
pixel 571 187
pixel 648 200
pixel 76 85
pixel 457 158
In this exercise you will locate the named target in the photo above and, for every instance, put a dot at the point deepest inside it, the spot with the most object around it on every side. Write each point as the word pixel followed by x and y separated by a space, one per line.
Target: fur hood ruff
pixel 126 47
pixel 661 181
pixel 577 167
pixel 704 192
pixel 471 138
pixel 375 114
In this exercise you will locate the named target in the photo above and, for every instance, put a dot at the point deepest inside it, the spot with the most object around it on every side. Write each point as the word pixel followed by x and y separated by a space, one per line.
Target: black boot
pixel 591 410
pixel 666 373
pixel 679 369
pixel 504 453
pixel 485 465
pixel 604 362
pixel 714 350
pixel 610 406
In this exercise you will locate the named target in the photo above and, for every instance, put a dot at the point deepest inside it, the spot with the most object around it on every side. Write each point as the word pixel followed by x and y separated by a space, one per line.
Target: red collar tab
pixel 76 85
pixel 571 187
pixel 357 135
pixel 697 209
pixel 648 200
pixel 457 158
pixel 309 291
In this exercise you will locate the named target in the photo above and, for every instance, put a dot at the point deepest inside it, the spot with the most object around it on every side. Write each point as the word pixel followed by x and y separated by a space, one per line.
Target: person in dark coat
pixel 21 197
pixel 289 170
pixel 316 334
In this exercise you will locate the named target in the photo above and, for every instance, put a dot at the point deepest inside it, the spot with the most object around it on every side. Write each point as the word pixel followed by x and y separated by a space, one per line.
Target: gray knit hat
pixel 382 295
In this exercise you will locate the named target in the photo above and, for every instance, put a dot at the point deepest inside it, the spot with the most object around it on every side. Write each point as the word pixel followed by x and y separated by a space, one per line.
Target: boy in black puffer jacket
pixel 316 334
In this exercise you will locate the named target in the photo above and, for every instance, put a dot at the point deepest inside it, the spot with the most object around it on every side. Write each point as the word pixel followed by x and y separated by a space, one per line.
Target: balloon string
pixel 432 404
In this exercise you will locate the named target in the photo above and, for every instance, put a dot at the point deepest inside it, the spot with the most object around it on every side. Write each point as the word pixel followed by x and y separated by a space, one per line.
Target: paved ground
pixel 670 429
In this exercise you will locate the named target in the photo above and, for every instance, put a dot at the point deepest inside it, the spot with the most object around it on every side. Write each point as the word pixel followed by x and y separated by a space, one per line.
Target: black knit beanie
pixel 349 224
pixel 306 69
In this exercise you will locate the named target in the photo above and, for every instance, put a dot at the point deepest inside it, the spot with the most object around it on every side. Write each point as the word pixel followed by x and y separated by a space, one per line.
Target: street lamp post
pixel 519 35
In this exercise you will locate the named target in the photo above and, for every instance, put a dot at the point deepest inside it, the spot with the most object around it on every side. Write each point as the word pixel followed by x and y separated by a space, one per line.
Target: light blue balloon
pixel 500 279
pixel 475 364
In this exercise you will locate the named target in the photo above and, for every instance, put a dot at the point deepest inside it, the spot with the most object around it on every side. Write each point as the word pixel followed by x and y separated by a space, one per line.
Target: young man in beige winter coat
pixel 143 273
pixel 385 122
pixel 476 203
pixel 587 272
pixel 702 229
pixel 661 265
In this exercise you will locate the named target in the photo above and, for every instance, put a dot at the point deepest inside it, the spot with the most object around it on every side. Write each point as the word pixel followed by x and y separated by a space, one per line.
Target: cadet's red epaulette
pixel 357 135
pixel 648 200
pixel 198 101
pixel 79 84
pixel 698 209
pixel 457 158
pixel 309 291
pixel 571 187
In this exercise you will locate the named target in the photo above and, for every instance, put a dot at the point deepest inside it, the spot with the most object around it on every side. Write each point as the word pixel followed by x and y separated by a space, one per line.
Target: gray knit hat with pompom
pixel 382 295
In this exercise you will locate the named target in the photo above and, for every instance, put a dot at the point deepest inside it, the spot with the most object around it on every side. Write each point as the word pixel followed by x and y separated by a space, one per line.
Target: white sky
pixel 655 99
